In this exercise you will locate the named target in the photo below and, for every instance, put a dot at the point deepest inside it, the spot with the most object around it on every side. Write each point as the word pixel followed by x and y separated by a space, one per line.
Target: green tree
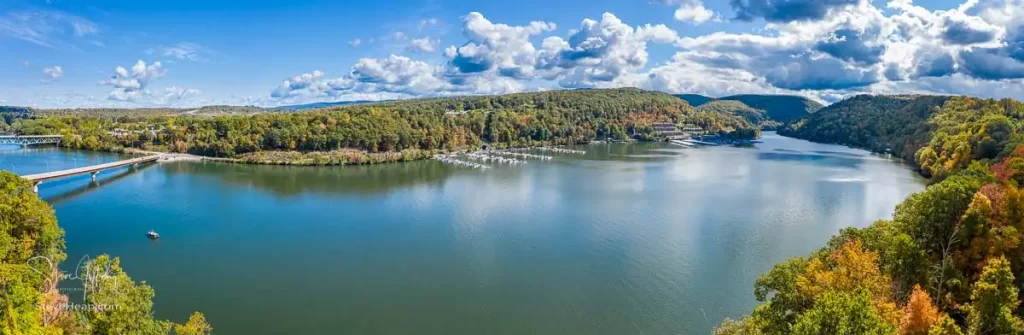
pixel 945 326
pixel 119 305
pixel 993 302
pixel 196 325
pixel 31 244
pixel 847 313
pixel 743 326
pixel 782 299
pixel 28 226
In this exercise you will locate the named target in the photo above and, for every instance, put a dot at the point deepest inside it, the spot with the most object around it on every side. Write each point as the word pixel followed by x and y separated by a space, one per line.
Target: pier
pixel 38 178
pixel 30 140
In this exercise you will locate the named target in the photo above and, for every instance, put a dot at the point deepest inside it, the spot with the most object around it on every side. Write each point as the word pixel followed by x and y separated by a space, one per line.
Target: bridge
pixel 38 178
pixel 30 140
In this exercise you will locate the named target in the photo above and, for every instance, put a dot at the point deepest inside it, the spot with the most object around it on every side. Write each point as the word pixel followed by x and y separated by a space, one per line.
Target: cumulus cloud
pixel 693 11
pixel 601 51
pixel 355 43
pixel 132 85
pixel 824 50
pixel 397 74
pixel 53 72
pixel 422 45
pixel 496 47
pixel 137 79
pixel 52 29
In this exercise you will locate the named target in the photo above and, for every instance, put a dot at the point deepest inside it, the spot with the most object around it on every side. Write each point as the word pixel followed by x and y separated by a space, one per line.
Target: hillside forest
pixel 950 261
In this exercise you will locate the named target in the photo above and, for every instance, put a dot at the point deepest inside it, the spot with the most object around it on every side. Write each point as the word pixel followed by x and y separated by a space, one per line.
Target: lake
pixel 646 238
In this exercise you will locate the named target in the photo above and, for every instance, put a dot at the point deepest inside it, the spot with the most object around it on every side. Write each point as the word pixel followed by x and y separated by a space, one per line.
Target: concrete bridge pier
pixel 94 173
pixel 35 187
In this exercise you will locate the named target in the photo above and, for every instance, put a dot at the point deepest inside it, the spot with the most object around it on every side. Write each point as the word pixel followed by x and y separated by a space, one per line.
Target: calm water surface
pixel 627 239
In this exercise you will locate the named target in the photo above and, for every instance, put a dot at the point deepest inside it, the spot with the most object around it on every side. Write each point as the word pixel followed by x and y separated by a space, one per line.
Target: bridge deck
pixel 39 177
pixel 29 140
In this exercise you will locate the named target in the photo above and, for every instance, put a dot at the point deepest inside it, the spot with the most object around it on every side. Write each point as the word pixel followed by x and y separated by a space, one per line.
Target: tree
pixel 850 269
pixel 843 313
pixel 993 301
pixel 919 315
pixel 28 226
pixel 196 325
pixel 118 304
pixel 782 301
pixel 743 326
pixel 31 245
pixel 945 326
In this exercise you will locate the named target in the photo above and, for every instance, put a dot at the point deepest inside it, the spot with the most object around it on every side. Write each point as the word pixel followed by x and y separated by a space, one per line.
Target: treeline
pixel 754 118
pixel 32 246
pixel 896 124
pixel 939 134
pixel 441 124
pixel 951 259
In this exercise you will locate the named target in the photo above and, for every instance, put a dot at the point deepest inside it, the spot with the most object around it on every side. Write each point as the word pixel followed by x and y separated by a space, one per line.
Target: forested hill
pixel 778 108
pixel 695 100
pixel 422 125
pixel 756 118
pixel 941 135
pixel 781 108
pixel 949 262
pixel 878 123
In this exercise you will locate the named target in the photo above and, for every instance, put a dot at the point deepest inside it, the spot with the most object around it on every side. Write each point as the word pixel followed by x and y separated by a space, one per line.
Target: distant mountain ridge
pixel 315 105
pixel 695 100
pixel 756 118
pixel 778 109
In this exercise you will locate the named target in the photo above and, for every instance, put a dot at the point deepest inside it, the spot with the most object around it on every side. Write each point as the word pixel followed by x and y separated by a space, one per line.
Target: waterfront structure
pixel 30 140
pixel 38 178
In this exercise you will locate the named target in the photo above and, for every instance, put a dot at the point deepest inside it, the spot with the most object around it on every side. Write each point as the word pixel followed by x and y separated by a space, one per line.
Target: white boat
pixel 152 234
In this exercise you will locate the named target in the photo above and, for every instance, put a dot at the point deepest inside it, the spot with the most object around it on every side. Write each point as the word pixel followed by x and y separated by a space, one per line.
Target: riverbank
pixel 378 242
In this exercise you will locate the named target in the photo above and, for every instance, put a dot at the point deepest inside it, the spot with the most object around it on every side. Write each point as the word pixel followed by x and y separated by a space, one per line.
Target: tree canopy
pixel 950 260
pixel 32 245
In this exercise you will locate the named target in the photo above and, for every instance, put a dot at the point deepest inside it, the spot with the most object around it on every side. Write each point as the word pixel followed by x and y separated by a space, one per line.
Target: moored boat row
pixel 450 159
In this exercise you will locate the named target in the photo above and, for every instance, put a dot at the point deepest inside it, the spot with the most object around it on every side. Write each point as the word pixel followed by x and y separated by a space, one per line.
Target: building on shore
pixel 671 131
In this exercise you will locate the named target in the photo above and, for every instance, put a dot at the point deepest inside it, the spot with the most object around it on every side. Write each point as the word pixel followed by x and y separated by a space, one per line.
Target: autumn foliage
pixel 950 262
pixel 919 315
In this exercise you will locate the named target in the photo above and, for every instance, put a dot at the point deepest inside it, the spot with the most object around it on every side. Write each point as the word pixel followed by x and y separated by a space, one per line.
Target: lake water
pixel 627 239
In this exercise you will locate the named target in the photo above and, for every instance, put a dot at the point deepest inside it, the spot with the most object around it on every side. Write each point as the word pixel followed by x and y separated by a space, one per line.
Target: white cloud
pixel 422 45
pixel 53 72
pixel 137 79
pixel 131 85
pixel 600 51
pixel 397 74
pixel 496 48
pixel 831 52
pixel 693 11
pixel 355 43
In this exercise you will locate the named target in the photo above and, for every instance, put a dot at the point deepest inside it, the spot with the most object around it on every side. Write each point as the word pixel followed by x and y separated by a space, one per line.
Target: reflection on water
pixel 68 195
pixel 296 180
pixel 628 238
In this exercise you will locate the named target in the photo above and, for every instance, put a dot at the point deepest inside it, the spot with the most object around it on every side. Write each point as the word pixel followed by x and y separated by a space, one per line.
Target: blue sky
pixel 71 53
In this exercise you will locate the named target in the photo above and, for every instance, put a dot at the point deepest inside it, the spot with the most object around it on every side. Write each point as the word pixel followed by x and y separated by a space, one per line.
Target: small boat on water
pixel 152 235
